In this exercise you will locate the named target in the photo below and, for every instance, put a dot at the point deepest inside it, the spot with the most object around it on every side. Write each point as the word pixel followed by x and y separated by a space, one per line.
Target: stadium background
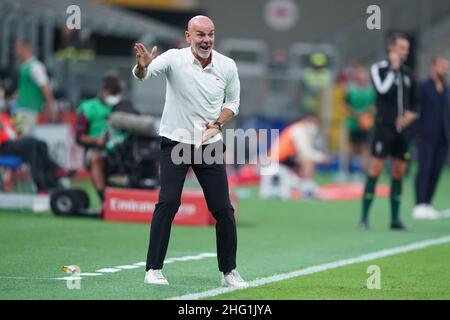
pixel 272 45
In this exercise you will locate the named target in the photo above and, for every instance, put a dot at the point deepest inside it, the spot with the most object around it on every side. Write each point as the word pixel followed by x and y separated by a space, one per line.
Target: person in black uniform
pixel 395 111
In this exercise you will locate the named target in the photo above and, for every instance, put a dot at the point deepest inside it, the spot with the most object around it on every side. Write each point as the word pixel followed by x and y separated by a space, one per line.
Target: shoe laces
pixel 158 274
pixel 236 276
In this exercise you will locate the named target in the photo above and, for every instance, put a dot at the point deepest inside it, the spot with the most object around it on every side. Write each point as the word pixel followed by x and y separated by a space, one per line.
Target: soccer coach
pixel 202 95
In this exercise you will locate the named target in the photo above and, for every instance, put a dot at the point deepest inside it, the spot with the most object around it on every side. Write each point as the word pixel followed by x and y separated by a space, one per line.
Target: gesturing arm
pixel 144 58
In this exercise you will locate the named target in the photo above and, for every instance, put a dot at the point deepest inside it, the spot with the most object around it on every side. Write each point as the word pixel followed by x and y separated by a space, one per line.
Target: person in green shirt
pixel 33 89
pixel 360 98
pixel 92 129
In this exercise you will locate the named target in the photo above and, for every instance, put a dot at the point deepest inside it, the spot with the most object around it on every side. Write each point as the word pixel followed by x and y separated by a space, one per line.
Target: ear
pixel 188 37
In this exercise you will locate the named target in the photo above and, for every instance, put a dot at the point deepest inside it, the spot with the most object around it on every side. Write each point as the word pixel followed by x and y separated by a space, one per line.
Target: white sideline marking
pixel 141 264
pixel 70 278
pixel 90 274
pixel 127 267
pixel 107 270
pixel 320 267
pixel 26 278
pixel 136 265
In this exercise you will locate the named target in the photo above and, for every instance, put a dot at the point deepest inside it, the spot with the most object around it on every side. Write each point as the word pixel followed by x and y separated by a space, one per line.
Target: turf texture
pixel 274 237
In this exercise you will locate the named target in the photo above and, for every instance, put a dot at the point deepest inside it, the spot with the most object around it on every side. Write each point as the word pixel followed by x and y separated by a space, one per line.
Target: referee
pixel 202 96
pixel 395 111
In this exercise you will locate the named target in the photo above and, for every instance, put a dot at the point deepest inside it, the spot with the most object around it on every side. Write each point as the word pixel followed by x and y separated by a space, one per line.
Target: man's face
pixel 110 97
pixel 361 75
pixel 20 50
pixel 200 36
pixel 441 67
pixel 401 47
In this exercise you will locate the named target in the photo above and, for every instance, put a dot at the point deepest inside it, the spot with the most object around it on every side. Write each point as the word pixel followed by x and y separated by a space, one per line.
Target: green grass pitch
pixel 274 237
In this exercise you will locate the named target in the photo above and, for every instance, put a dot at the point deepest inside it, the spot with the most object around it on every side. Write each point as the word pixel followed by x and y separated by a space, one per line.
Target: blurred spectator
pixel 45 172
pixel 360 97
pixel 75 44
pixel 347 73
pixel 92 128
pixel 279 61
pixel 33 89
pixel 297 155
pixel 2 99
pixel 433 137
pixel 317 79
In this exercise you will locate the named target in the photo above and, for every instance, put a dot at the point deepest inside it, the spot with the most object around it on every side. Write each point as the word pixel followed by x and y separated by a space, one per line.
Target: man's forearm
pixel 48 96
pixel 225 116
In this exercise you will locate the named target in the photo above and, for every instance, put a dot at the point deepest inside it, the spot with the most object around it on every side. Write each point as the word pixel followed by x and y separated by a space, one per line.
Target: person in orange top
pixel 295 152
pixel 44 171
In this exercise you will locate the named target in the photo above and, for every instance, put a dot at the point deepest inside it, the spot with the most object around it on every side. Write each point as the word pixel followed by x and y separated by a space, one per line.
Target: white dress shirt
pixel 194 96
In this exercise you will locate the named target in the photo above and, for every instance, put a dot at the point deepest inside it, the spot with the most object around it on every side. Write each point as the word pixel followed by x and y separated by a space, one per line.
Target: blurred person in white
pixel 33 89
pixel 202 95
pixel 296 152
pixel 433 139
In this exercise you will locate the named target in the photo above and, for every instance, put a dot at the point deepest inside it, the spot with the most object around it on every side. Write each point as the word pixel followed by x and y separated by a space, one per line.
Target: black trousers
pixel 213 180
pixel 432 156
pixel 35 153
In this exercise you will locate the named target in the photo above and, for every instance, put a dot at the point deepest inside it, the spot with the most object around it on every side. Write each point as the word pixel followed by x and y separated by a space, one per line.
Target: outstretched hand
pixel 143 57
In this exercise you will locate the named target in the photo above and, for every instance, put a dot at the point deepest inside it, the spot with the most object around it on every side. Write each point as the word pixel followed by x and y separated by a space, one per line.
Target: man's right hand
pixel 143 57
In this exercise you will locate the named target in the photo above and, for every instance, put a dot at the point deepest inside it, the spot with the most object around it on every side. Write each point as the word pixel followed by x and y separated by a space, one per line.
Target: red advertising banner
pixel 138 206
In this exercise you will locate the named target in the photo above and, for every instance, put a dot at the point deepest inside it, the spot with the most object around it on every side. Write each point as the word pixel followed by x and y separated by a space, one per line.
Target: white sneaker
pixel 233 279
pixel 423 212
pixel 155 277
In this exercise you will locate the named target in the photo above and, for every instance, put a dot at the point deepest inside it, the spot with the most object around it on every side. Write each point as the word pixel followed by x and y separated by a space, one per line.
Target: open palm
pixel 143 57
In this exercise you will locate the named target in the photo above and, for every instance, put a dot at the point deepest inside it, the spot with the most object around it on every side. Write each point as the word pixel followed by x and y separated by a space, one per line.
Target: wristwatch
pixel 219 124
pixel 141 68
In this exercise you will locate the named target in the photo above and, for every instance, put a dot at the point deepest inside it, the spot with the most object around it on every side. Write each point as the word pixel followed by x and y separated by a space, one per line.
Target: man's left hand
pixel 406 119
pixel 211 130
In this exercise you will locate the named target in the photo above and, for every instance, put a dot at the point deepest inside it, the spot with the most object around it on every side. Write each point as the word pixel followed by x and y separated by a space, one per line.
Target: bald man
pixel 202 96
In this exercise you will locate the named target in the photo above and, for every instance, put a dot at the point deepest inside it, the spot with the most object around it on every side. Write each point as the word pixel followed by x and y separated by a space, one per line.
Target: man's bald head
pixel 200 22
pixel 200 36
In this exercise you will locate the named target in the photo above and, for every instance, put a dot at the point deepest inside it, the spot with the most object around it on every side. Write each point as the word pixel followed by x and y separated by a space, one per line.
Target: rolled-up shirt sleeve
pixel 160 65
pixel 233 91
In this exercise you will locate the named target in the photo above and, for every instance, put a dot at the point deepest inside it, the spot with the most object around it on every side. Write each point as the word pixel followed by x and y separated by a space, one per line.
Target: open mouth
pixel 205 47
